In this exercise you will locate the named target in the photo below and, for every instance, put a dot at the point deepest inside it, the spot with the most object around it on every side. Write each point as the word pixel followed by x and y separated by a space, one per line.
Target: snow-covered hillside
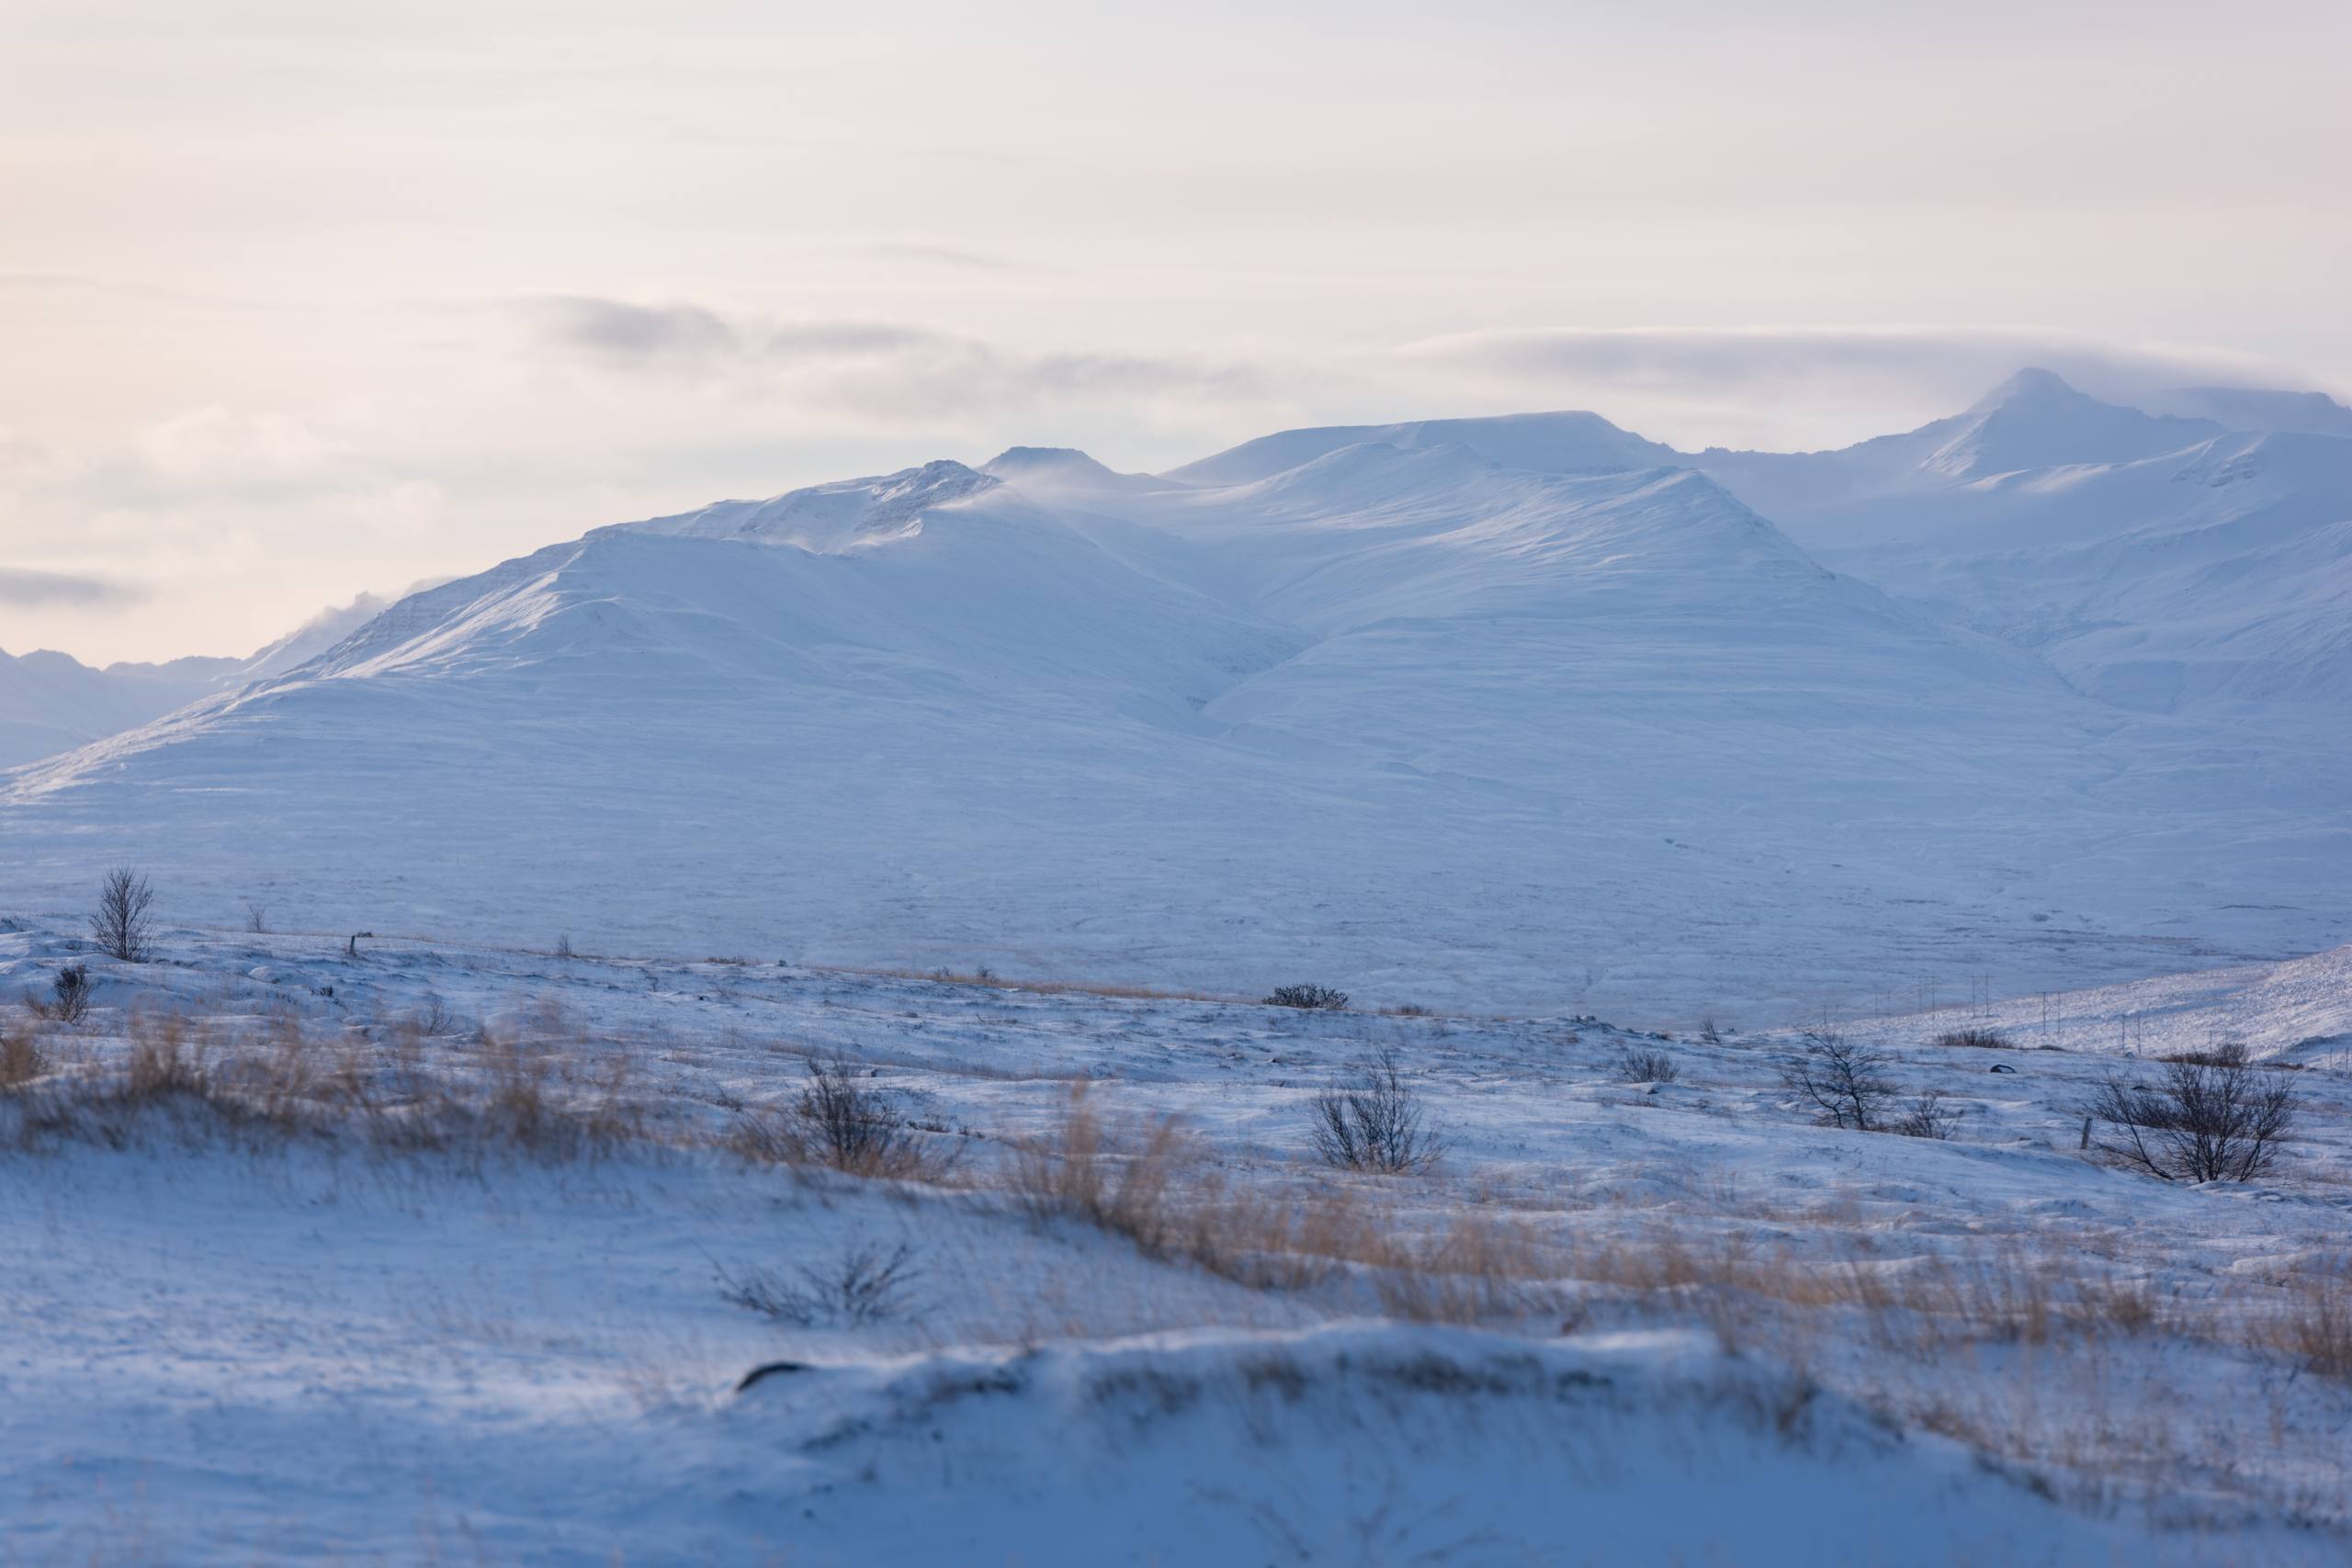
pixel 1454 710
pixel 52 703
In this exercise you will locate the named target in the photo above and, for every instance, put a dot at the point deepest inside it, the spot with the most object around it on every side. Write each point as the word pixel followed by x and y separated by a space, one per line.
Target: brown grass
pixel 22 1058
pixel 2314 1324
pixel 272 1081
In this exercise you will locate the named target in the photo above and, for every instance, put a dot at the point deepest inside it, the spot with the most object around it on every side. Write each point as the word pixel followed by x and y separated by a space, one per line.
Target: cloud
pixel 887 370
pixel 1764 380
pixel 210 447
pixel 44 590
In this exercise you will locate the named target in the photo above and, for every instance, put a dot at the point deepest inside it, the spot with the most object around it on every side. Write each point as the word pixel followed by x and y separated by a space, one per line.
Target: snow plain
pixel 1727 1336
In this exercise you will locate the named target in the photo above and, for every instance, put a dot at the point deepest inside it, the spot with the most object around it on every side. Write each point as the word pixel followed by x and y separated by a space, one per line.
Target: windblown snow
pixel 1524 710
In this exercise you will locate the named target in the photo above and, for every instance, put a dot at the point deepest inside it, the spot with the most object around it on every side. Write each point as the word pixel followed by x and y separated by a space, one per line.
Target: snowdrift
pixel 1380 1443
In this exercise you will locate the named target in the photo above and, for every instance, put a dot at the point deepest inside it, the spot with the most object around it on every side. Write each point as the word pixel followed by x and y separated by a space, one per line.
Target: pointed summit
pixel 2030 385
pixel 2035 420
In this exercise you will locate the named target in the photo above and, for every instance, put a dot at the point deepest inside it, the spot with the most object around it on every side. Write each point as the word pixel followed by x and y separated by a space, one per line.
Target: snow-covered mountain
pixel 52 703
pixel 2158 563
pixel 1475 709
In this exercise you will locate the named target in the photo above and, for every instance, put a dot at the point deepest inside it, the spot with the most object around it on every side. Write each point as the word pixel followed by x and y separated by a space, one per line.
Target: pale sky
pixel 300 300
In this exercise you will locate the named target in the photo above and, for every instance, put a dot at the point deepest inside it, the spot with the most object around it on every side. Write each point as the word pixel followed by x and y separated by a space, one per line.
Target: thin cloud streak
pixel 40 590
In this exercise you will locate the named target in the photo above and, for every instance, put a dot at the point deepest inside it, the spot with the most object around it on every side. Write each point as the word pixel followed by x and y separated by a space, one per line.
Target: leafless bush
pixel 256 917
pixel 121 927
pixel 865 1285
pixel 839 1122
pixel 1927 1117
pixel 1844 1080
pixel 852 1127
pixel 2217 1119
pixel 1708 1033
pixel 1313 998
pixel 68 1000
pixel 1642 1063
pixel 1974 1040
pixel 434 1020
pixel 1376 1123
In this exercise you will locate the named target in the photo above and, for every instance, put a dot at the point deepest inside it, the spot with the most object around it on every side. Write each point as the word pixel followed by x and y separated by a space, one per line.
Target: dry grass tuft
pixel 1127 1186
pixel 2314 1324
pixel 270 1080
pixel 22 1058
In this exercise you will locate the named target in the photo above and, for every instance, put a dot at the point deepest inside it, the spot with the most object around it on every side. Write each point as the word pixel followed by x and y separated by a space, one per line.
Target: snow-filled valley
pixel 439 1250
pixel 1525 712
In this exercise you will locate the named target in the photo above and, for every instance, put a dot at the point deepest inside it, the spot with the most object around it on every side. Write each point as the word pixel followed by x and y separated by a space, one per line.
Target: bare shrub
pixel 1844 1080
pixel 1313 998
pixel 1927 1117
pixel 256 917
pixel 865 1285
pixel 121 926
pixel 1375 1123
pixel 1974 1040
pixel 2218 1117
pixel 69 995
pixel 854 1128
pixel 1644 1063
pixel 1709 1034
pixel 841 1122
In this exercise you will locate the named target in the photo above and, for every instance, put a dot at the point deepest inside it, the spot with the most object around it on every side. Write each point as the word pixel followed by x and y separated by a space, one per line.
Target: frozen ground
pixel 1620 1322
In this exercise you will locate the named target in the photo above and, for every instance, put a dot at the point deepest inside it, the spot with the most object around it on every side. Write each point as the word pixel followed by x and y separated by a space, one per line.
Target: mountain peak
pixel 2030 385
pixel 1062 468
pixel 2036 420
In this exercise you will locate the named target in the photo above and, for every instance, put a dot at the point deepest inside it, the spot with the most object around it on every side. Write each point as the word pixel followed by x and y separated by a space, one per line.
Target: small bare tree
pixel 1375 1123
pixel 256 917
pixel 2218 1117
pixel 1844 1080
pixel 121 927
pixel 1312 998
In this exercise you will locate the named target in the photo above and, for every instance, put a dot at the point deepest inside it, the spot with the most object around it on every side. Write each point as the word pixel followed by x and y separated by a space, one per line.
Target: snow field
pixel 1619 1322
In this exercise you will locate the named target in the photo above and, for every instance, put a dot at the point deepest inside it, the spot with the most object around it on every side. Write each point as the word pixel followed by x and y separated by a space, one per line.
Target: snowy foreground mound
pixel 1518 711
pixel 450 1254
pixel 1381 1444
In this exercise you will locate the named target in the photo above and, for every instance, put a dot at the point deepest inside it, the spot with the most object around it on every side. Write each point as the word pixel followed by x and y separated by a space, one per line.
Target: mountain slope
pixel 52 703
pixel 1397 716
pixel 2208 573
